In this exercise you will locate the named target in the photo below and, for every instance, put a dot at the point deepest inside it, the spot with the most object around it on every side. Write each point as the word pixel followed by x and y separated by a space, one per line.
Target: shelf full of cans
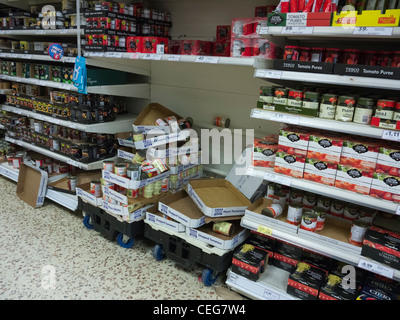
pixel 378 110
pixel 110 29
pixel 77 145
pixel 66 105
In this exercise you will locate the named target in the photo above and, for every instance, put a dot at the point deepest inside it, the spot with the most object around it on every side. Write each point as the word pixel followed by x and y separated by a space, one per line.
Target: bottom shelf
pixel 271 285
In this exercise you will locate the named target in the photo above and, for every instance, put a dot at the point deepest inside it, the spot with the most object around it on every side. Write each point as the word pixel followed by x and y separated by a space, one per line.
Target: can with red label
pixel 308 220
pixel 357 232
pixel 294 214
pixel 95 188
pixel 221 122
pixel 105 22
pixel 272 211
pixel 321 215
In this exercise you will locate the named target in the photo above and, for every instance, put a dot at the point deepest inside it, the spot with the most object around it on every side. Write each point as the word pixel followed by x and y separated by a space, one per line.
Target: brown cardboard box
pixel 31 186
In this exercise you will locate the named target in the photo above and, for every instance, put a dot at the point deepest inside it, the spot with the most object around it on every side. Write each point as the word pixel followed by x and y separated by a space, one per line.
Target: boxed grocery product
pixel 244 28
pixel 152 45
pixel 375 288
pixel 134 44
pixel 367 18
pixel 264 151
pixel 289 164
pixel 305 281
pixel 354 179
pixel 264 48
pixel 388 161
pixel 217 197
pixel 157 217
pixel 325 147
pixel 317 260
pixel 320 171
pixel 286 255
pixel 300 19
pixel 359 154
pixel 249 262
pixel 221 49
pixel 263 242
pixel 241 47
pixel 382 245
pixel 196 47
pixel 223 33
pixel 385 186
pixel 32 185
pixel 174 46
pixel 295 138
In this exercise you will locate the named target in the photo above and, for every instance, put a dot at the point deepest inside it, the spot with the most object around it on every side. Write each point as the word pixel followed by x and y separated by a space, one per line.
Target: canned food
pixel 280 197
pixel 161 122
pixel 308 220
pixel 366 215
pixel 95 188
pixel 357 232
pixel 291 53
pixel 164 185
pixel 295 196
pixel 133 171
pixel 138 137
pixel 132 193
pixel 324 202
pixel 304 54
pixel 309 200
pixel 294 213
pixel 272 211
pixel 337 208
pixel 72 182
pixel 108 166
pixel 332 55
pixel 223 227
pixel 350 212
pixel 321 215
pixel 148 191
pixel 311 100
pixel 221 122
pixel 120 170
pixel 369 58
pixel 351 56
pixel 281 96
pixel 295 98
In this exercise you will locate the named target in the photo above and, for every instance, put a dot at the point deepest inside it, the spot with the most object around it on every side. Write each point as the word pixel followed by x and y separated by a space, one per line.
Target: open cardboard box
pixel 217 197
pixel 83 191
pixel 155 216
pixel 207 235
pixel 146 119
pixel 255 209
pixel 83 177
pixel 336 233
pixel 32 185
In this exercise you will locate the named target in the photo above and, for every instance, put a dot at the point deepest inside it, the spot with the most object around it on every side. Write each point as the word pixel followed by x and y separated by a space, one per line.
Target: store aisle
pixel 39 243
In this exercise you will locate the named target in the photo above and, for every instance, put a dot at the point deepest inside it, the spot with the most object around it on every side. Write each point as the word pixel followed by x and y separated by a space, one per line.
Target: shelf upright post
pixel 78 26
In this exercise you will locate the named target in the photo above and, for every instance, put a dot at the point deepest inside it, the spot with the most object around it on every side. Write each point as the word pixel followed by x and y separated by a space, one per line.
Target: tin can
pixel 324 202
pixel 221 122
pixel 385 109
pixel 95 188
pixel 309 200
pixel 270 190
pixel 332 55
pixel 295 98
pixel 72 182
pixel 223 227
pixel 132 193
pixel 281 96
pixel 159 165
pixel 311 100
pixel 272 211
pixel 366 215
pixel 321 215
pixel 133 171
pixel 280 197
pixel 16 161
pixel 140 155
pixel 351 56
pixel 138 137
pixel 108 166
pixel 291 53
pixel 148 191
pixel 317 54
pixel 295 196
pixel 295 211
pixel 357 232
pixel 308 220
pixel 165 185
pixel 120 170
pixel 337 208
pixel 350 212
pixel 161 122
pixel 173 180
pixel 304 54
pixel 157 187
pixel 267 94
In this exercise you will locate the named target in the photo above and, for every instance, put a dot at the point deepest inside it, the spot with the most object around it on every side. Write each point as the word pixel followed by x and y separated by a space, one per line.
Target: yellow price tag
pixel 265 230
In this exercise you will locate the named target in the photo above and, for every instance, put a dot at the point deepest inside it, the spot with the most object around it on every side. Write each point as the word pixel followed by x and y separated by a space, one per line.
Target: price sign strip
pixel 376 268
pixel 373 31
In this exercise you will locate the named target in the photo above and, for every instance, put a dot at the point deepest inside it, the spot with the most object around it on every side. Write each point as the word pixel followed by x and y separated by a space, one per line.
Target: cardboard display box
pixel 300 19
pixel 367 18
pixel 217 197
pixel 32 185
pixel 83 191
pixel 157 217
pixel 354 179
pixel 286 255
pixel 385 186
pixel 304 66
pixel 378 289
pixel 290 164
pixel 360 154
pixel 388 161
pixel 207 235
pixel 83 177
pixel 385 124
pixel 180 207
pixel 249 262
pixel 320 171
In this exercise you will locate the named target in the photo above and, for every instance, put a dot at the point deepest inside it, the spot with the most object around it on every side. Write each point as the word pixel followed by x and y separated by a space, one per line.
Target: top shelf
pixel 41 32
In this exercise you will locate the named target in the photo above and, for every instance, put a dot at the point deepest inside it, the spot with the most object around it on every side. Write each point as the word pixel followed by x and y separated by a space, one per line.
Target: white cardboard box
pixel 155 216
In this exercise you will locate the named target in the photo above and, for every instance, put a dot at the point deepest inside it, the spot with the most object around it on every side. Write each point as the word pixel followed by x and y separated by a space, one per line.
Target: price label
pixel 174 57
pixel 64 31
pixel 269 176
pixel 151 56
pixel 96 54
pixel 285 118
pixel 260 73
pixel 207 59
pixel 398 210
pixel 373 31
pixel 263 30
pixel 376 268
pixel 297 30
pixel 40 32
pixel 264 230
pixel 135 55
pixel 391 135
pixel 113 54
pixel 271 295
pixel 273 74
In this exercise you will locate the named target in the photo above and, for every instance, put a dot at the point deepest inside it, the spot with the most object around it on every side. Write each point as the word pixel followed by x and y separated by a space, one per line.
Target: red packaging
pixel 107 6
pixel 332 55
pixel 149 44
pixel 196 47
pixel 105 40
pixel 318 5
pixel 113 41
pixel 241 47
pixel 223 33
pixel 222 49
pixel 134 44
pixel 384 59
pixel 105 22
pixel 89 39
pixel 261 11
pixel 264 48
pixel 293 6
pixel 244 28
pixel 396 59
pixel 302 4
pixel 309 6
pixel 369 58
pixel 291 53
pixel 115 24
pixel 123 25
pixel 327 6
pixel 285 6
pixel 174 46
pixel 351 56
pixel 207 47
pixel 304 54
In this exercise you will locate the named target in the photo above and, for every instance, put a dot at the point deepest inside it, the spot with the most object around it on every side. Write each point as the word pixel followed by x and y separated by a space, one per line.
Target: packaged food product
pixel 351 56
pixel 317 54
pixel 363 111
pixel 332 55
pixel 345 108
pixel 291 53
pixel 304 54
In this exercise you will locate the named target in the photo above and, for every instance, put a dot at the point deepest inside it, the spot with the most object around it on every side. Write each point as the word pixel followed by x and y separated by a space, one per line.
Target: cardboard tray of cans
pixel 158 218
pixel 83 191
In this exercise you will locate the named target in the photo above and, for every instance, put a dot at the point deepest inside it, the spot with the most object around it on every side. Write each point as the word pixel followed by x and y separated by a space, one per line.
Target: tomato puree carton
pixel 289 164
pixel 320 171
pixel 294 138
pixel 325 147
pixel 359 154
pixel 353 179
pixel 264 152
pixel 388 161
pixel 385 186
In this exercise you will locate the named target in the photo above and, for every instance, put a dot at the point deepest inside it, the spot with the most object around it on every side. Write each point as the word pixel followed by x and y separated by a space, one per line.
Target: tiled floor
pixel 47 253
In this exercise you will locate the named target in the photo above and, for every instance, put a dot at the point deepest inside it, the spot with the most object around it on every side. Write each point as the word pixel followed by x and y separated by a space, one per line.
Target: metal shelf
pixel 122 123
pixel 85 166
pixel 45 83
pixel 318 123
pixel 39 57
pixel 41 32
pixel 365 82
pixel 271 285
pixel 321 189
